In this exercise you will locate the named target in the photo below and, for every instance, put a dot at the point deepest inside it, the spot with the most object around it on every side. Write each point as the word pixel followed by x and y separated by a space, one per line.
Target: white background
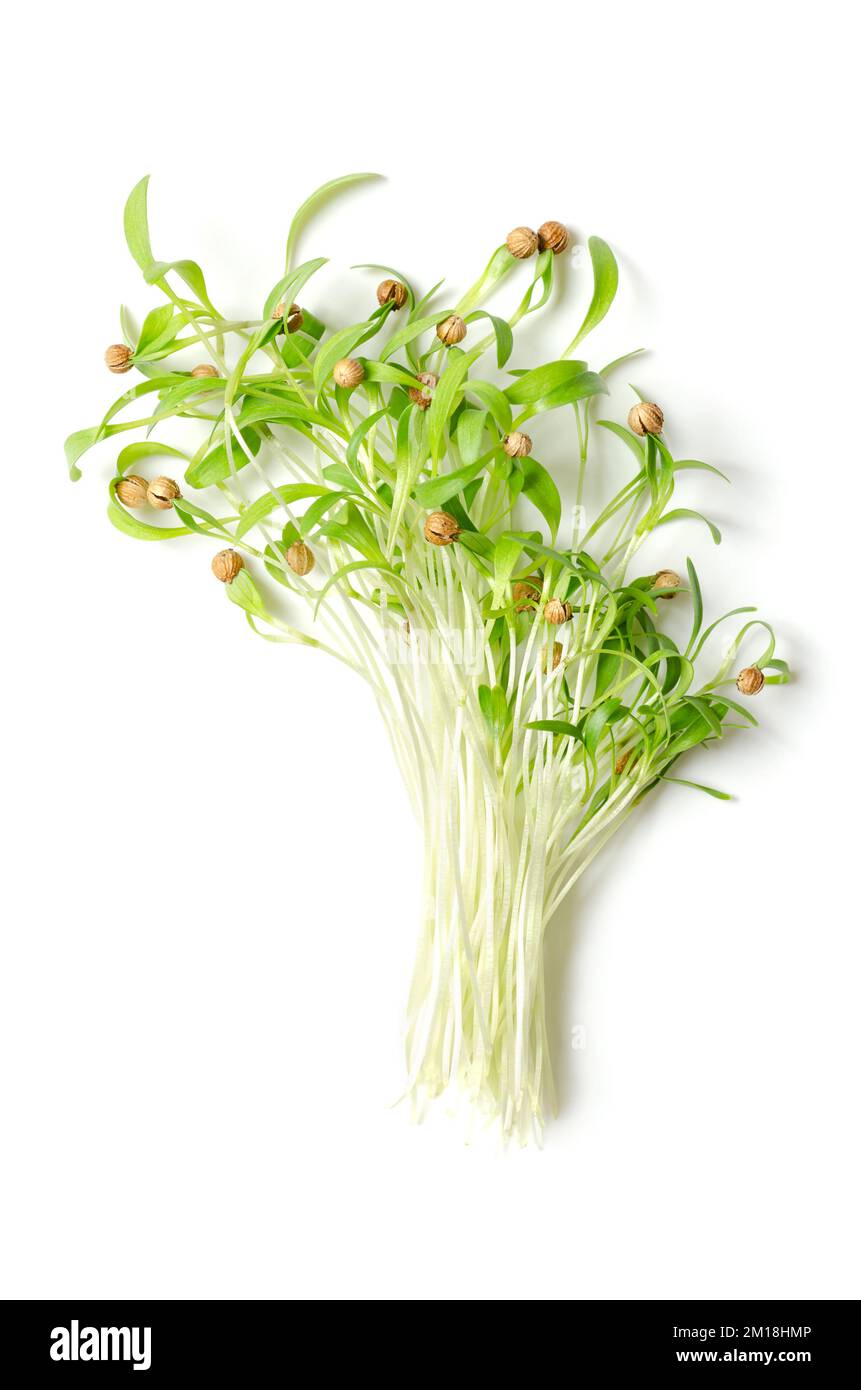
pixel 211 877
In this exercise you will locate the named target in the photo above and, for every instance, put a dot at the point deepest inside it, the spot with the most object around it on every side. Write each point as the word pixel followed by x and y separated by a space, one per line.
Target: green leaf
pixel 705 710
pixel 147 448
pixel 494 400
pixel 136 225
pixel 244 593
pixel 196 519
pixel 78 443
pixel 698 786
pixel 494 708
pixel 436 491
pixel 598 719
pixel 315 201
pixel 354 531
pixel 506 553
pixel 342 344
pixel 557 726
pixel 606 276
pixel 141 530
pixel 502 330
pixel 410 331
pixel 542 492
pixel 280 496
pixel 75 446
pixel 697 463
pixel 541 381
pixel 341 477
pixel 500 264
pixel 389 371
pixel 628 437
pixel 618 361
pixel 291 285
pixel 190 272
pixel 685 514
pixel 697 601
pixel 445 397
pixel 470 433
pixel 311 516
pixel 586 384
pixel 350 568
pixel 154 325
pixel 608 665
pixel 214 467
pixel 358 436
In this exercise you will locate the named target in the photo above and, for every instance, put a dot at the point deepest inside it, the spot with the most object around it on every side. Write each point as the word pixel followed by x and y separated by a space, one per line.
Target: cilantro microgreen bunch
pixel 375 490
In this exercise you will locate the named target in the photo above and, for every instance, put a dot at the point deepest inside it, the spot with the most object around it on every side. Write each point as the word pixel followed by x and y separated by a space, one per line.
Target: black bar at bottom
pixel 242 1339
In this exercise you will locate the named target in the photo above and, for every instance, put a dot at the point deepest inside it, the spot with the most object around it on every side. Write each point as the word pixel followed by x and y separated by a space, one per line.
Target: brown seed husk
pixel 622 762
pixel 348 373
pixel 553 236
pixel 750 680
pixel 522 242
pixel 557 612
pixel 526 593
pixel 517 444
pixel 392 292
pixel 300 558
pixel 423 396
pixel 646 418
pixel 118 358
pixel 452 330
pixel 294 318
pixel 132 490
pixel 162 493
pixel 666 579
pixel 226 565
pixel 441 529
pixel 557 656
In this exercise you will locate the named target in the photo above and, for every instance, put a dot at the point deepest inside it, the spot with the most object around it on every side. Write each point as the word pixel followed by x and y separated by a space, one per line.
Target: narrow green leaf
pixel 445 397
pixel 598 719
pixel 141 530
pixel 502 330
pixel 245 594
pixel 494 400
pixel 494 708
pixel 506 553
pixel 316 201
pixel 147 448
pixel 584 385
pixel 214 467
pixel 410 331
pixel 698 786
pixel 542 492
pixel 557 726
pixel 436 491
pixel 697 601
pixel 269 501
pixel 470 434
pixel 628 437
pixel 290 286
pixel 342 344
pixel 136 225
pixel 542 381
pixel 685 514
pixel 606 276
pixel 154 325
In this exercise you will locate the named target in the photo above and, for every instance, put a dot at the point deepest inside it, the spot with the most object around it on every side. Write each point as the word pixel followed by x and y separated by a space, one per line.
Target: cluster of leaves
pixel 384 462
